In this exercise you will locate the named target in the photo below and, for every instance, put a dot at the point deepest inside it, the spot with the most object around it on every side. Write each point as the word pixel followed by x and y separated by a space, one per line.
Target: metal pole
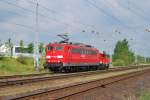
pixel 136 60
pixel 36 44
pixel 145 61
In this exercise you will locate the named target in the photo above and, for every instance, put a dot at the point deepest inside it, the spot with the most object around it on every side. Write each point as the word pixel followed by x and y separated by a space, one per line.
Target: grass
pixel 119 62
pixel 11 66
pixel 145 95
pixel 122 63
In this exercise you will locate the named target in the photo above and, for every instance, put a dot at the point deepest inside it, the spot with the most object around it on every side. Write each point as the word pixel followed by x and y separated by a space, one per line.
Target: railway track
pixel 21 76
pixel 24 79
pixel 91 85
pixel 64 91
pixel 32 75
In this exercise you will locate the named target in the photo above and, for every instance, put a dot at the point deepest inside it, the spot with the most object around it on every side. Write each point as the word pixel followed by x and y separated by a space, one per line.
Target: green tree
pixel 21 43
pixel 148 60
pixel 41 47
pixel 0 43
pixel 30 47
pixel 122 54
pixel 9 45
pixel 140 59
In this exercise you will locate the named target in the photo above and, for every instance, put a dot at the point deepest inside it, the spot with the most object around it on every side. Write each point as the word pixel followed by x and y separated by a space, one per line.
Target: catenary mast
pixel 36 43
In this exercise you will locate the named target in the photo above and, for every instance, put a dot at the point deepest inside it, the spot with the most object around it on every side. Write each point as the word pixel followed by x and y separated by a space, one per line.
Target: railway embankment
pixel 12 66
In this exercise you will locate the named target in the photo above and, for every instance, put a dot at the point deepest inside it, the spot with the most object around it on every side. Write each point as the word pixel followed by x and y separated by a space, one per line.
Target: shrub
pixel 119 62
pixel 1 58
pixel 22 60
pixel 2 66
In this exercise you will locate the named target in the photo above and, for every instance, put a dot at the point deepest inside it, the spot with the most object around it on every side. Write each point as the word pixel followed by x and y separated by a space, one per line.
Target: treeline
pixel 144 60
pixel 30 47
pixel 124 56
pixel 22 48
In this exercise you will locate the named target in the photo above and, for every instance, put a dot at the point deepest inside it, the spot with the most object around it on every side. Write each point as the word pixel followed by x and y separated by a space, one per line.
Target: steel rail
pixel 31 75
pixel 20 80
pixel 105 82
pixel 18 76
pixel 68 91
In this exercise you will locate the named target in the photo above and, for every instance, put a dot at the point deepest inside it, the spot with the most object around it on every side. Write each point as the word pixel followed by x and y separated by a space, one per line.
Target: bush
pixel 145 95
pixel 2 66
pixel 119 62
pixel 2 58
pixel 22 60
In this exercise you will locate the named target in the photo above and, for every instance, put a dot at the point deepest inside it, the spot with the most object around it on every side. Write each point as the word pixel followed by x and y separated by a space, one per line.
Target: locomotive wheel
pixel 100 67
pixel 62 70
pixel 104 67
pixel 107 66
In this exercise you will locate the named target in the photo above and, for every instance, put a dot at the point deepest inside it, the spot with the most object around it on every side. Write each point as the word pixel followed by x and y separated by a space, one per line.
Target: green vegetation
pixel 30 47
pixel 147 60
pixel 122 54
pixel 142 60
pixel 9 45
pixel 21 65
pixel 1 58
pixel 25 60
pixel 41 48
pixel 21 46
pixel 145 96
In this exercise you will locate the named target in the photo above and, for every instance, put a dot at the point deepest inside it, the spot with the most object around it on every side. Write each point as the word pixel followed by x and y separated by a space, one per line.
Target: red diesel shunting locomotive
pixel 69 57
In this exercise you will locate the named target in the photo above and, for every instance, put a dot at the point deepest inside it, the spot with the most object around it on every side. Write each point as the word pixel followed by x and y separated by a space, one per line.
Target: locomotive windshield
pixel 50 48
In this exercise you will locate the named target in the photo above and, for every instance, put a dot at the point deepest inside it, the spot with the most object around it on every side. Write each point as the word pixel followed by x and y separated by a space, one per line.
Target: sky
pixel 100 23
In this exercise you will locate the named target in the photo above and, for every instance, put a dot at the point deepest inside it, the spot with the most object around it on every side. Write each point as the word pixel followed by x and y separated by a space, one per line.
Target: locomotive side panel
pixel 82 57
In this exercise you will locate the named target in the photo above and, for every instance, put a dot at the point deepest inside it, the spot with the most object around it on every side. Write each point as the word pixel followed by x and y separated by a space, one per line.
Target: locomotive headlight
pixel 48 57
pixel 59 56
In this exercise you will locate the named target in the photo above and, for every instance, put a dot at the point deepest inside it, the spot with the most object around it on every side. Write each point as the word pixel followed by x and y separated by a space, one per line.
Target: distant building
pixel 5 50
pixel 16 52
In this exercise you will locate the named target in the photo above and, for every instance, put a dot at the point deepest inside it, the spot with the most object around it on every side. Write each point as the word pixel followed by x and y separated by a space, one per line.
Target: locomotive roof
pixel 72 44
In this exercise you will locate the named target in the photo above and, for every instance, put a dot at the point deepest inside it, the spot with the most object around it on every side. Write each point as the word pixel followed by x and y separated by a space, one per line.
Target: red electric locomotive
pixel 69 57
pixel 104 60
